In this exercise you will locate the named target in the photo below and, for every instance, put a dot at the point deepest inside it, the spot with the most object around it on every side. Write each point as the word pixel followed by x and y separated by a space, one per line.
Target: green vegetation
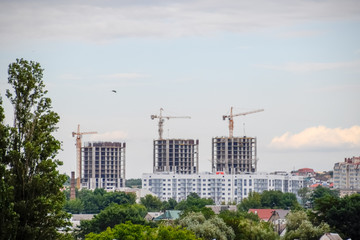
pixel 111 216
pixel 88 201
pixel 270 199
pixel 130 231
pixel 342 214
pixel 133 183
pixel 248 226
pixel 193 203
pixel 300 227
pixel 31 202
pixel 211 228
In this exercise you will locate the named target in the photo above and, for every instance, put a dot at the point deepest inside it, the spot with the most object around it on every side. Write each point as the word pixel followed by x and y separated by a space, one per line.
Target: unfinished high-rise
pixel 180 156
pixel 103 165
pixel 234 155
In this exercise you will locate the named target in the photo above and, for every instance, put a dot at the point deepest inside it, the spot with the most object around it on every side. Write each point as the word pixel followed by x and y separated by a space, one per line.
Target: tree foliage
pixel 152 203
pixel 193 203
pixel 133 183
pixel 111 216
pixel 269 199
pixel 342 214
pixel 97 200
pixel 212 228
pixel 31 200
pixel 248 225
pixel 298 226
pixel 130 231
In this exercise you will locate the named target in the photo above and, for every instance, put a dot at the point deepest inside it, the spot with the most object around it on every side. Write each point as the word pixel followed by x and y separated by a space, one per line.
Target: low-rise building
pixel 220 187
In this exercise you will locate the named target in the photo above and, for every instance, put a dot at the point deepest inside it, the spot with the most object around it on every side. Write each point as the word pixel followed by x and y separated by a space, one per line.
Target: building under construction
pixel 179 156
pixel 234 155
pixel 103 165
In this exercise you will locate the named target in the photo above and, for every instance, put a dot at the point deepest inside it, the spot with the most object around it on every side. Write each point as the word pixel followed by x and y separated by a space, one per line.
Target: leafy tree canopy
pixel 152 203
pixel 111 216
pixel 193 203
pixel 130 231
pixel 269 199
pixel 298 226
pixel 342 214
pixel 212 228
pixel 133 183
pixel 248 225
pixel 31 201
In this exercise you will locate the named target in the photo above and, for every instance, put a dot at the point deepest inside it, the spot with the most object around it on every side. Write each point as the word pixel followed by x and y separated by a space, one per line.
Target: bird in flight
pixel 114 91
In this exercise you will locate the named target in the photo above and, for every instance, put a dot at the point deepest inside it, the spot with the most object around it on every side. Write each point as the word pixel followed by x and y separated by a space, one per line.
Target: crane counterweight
pixel 231 118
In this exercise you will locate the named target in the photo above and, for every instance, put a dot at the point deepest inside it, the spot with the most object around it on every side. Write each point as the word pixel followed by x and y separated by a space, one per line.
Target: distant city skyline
pixel 110 65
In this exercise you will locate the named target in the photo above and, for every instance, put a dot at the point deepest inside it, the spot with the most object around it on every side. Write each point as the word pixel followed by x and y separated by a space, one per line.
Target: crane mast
pixel 162 120
pixel 231 118
pixel 78 135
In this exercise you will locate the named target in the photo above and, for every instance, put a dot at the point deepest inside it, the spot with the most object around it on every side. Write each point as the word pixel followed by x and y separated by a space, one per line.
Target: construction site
pixel 102 164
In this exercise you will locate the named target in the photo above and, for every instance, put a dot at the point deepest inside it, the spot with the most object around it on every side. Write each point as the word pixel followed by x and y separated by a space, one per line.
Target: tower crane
pixel 231 119
pixel 162 120
pixel 78 135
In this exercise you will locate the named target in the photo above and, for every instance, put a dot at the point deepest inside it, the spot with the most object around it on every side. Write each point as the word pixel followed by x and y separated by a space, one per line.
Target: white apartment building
pixel 347 174
pixel 218 186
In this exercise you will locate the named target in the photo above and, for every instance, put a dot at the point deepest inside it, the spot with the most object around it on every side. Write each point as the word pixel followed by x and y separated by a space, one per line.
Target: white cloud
pixel 313 66
pixel 319 138
pixel 108 136
pixel 99 21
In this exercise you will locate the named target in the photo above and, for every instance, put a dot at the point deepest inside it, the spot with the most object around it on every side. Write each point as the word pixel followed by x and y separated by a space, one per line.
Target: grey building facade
pixel 234 155
pixel 179 156
pixel 103 165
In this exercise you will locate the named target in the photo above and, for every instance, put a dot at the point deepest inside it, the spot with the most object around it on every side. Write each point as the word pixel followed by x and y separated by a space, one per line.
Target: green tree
pixel 193 203
pixel 342 214
pixel 32 183
pixel 320 192
pixel 304 194
pixel 133 183
pixel 119 198
pixel 111 216
pixel 248 225
pixel 74 206
pixel 298 226
pixel 7 214
pixel 252 201
pixel 152 203
pixel 212 228
pixel 272 199
pixel 169 205
pixel 130 231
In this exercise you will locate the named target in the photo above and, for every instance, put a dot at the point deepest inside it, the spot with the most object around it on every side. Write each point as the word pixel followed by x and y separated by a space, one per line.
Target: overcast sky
pixel 298 60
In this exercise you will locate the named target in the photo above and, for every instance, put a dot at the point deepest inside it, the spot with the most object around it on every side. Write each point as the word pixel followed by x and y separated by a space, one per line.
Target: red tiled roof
pixel 264 214
pixel 315 185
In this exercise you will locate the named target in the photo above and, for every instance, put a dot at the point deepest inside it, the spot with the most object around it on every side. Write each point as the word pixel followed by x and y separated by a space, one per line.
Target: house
pixel 169 215
pixel 264 214
pixel 330 236
pixel 152 215
pixel 218 208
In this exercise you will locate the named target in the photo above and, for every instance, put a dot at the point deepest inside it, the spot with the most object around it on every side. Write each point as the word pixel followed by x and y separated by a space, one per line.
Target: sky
pixel 297 60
